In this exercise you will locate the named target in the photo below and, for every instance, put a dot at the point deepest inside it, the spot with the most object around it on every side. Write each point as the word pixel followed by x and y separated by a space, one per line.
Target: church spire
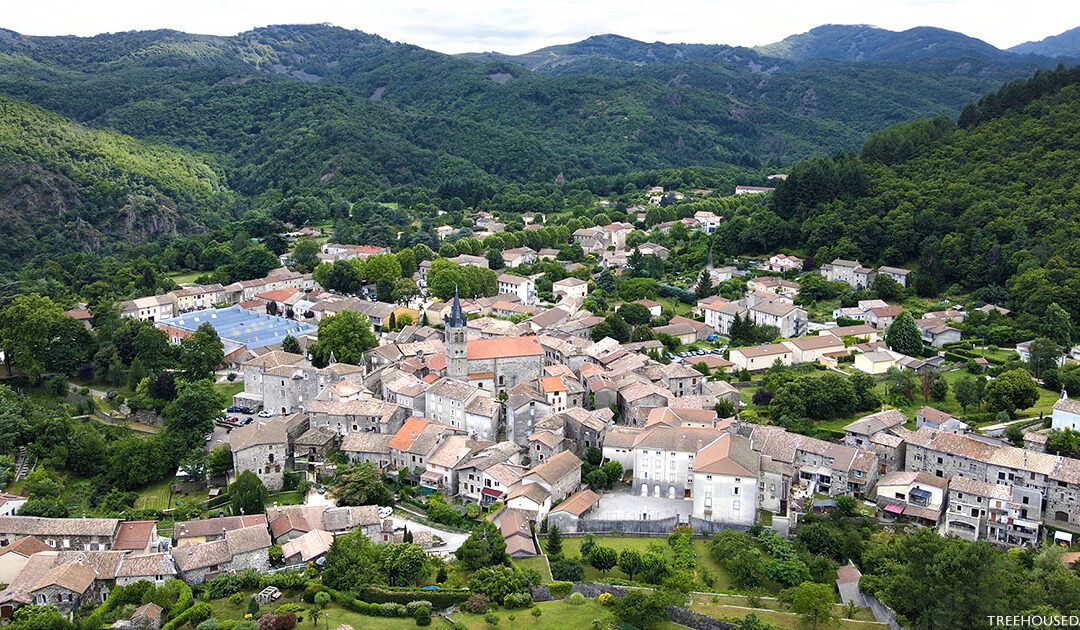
pixel 456 318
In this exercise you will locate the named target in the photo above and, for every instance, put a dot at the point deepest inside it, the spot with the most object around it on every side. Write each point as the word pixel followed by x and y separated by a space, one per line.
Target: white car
pixel 385 511
pixel 208 437
pixel 265 414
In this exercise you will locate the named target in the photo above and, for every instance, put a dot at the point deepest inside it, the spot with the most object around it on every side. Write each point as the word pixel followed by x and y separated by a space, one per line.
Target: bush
pixel 291 607
pixel 210 624
pixel 567 570
pixel 477 604
pixel 491 619
pixel 517 600
pixel 390 609
pixel 237 599
pixel 443 598
pixel 604 599
pixel 575 599
pixel 560 589
pixel 413 606
pixel 423 617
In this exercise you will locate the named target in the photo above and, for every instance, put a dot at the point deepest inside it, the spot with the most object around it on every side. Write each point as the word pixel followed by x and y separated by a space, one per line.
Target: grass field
pixel 555 615
pixel 735 607
pixel 538 563
pixel 230 389
pixel 154 497
pixel 185 277
pixel 572 549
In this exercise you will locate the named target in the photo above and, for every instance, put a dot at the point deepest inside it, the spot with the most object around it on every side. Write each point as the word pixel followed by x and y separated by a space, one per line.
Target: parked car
pixel 232 419
pixel 208 437
pixel 265 414
pixel 385 511
pixel 235 410
pixel 247 421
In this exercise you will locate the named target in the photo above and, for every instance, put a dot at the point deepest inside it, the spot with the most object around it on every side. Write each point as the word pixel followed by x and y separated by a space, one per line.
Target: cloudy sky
pixel 454 26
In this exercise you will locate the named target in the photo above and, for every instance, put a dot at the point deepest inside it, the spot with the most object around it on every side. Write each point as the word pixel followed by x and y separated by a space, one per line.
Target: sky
pixel 454 26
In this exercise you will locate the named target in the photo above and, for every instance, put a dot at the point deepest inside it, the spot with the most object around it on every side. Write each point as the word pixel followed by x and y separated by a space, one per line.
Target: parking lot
pixel 628 506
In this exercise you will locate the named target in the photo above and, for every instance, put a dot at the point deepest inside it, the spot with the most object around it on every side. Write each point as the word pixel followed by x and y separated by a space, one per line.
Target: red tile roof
pixel 503 347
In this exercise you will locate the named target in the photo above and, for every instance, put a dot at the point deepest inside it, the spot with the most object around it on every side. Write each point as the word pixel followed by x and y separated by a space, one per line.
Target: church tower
pixel 457 360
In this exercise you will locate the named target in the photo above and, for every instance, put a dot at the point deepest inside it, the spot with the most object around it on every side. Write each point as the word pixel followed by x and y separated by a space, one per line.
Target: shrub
pixel 604 599
pixel 560 589
pixel 575 599
pixel 412 607
pixel 237 599
pixel 210 624
pixel 517 600
pixel 491 619
pixel 390 609
pixel 291 607
pixel 423 617
pixel 535 612
pixel 567 570
pixel 476 604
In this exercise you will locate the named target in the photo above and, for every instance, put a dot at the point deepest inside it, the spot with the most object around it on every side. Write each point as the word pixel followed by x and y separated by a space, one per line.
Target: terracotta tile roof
pixel 763 350
pixel 75 576
pixel 247 539
pixel 216 526
pixel 201 555
pixel 552 384
pixel 134 535
pixel 367 443
pixel 146 565
pixel 877 422
pixel 38 526
pixel 531 491
pixel 503 347
pixel 25 546
pixel 556 467
pixel 578 503
pixel 728 455
pixel 308 546
pixel 149 610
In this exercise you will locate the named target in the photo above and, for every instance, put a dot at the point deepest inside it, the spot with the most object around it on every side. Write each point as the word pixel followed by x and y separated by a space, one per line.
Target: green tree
pixel 484 547
pixel 352 562
pixel 603 558
pixel 553 544
pixel 704 287
pixel 136 373
pixel 305 255
pixel 359 484
pixel 634 314
pixel 1011 391
pixel 640 609
pixel 201 353
pixel 495 259
pixel 219 461
pixel 1044 355
pixel 247 495
pixel 814 605
pixel 747 568
pixel 193 412
pixel 290 344
pixel 968 392
pixel 404 564
pixel 903 335
pixel 497 582
pixel 630 562
pixel 614 472
pixel 1057 324
pixel 346 336
pixel 26 331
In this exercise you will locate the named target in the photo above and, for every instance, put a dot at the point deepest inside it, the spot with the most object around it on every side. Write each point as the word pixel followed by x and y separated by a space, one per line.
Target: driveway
pixel 628 506
pixel 451 540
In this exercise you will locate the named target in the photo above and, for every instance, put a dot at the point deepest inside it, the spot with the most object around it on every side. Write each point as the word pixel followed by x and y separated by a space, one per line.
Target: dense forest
pixel 320 111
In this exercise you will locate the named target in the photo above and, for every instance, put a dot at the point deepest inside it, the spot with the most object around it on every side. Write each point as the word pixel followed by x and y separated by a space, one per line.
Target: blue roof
pixel 253 330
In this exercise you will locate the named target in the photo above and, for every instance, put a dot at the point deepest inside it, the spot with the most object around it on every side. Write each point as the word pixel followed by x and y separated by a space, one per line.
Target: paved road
pixel 451 540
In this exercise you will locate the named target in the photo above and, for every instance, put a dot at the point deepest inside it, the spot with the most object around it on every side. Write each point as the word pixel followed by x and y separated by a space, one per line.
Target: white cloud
pixel 515 27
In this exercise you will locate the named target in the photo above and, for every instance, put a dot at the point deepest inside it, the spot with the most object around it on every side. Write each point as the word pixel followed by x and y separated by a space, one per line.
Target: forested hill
pixel 63 185
pixel 347 117
pixel 991 206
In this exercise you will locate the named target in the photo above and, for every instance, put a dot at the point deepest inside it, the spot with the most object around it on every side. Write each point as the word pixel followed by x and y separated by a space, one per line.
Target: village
pixel 524 409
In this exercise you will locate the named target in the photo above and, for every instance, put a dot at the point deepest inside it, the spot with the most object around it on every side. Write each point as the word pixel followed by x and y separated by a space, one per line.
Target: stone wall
pixel 659 526
pixel 698 621
pixel 701 526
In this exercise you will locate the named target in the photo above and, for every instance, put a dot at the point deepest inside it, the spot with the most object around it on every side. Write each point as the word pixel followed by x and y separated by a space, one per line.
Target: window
pixel 736 505
pixel 735 491
pixel 708 502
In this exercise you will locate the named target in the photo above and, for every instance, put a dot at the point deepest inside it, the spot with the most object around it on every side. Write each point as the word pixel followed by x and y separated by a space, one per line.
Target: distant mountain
pixel 1066 44
pixel 868 43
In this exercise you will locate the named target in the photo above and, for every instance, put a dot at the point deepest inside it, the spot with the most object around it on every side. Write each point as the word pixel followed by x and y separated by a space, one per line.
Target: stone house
pixel 265 447
pixel 664 459
pixel 61 534
pixel 858 433
pixel 761 357
pixel 487 475
pixel 240 549
pixel 211 529
pixel 368 447
pixel 560 475
pixel 724 481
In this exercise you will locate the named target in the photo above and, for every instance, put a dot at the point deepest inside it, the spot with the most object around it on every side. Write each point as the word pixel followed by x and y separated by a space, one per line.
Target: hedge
pixel 560 589
pixel 438 598
pixel 195 615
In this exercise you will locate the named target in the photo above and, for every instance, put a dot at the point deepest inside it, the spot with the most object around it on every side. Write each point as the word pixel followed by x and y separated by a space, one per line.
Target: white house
pixel 523 288
pixel 1066 413
pixel 725 481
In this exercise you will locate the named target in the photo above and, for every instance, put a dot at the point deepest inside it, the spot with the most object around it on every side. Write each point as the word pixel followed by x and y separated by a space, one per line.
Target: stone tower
pixel 457 360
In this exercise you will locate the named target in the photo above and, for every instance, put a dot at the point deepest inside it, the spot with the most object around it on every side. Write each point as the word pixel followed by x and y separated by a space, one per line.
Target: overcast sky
pixel 454 26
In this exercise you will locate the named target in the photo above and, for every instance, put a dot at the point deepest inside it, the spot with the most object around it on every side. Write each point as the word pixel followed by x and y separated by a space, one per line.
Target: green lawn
pixel 572 549
pixel 554 615
pixel 706 561
pixel 230 389
pixel 538 563
pixel 735 607
pixel 154 496
pixel 185 277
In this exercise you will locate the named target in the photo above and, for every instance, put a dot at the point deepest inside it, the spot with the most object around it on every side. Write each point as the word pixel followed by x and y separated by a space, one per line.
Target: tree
pixel 495 259
pixel 1044 355
pixel 634 314
pixel 747 568
pixel 630 562
pixel 247 495
pixel 603 558
pixel 484 547
pixel 704 287
pixel 1057 325
pixel 1063 442
pixel 352 562
pixel 497 582
pixel 939 389
pixel 201 353
pixel 814 604
pixel 567 570
pixel 194 410
pixel 405 289
pixel 1015 435
pixel 346 335
pixel 614 472
pixel 26 332
pixel 553 544
pixel 305 255
pixel 903 335
pixel 404 563
pixel 360 485
pixel 219 461
pixel 597 480
pixel 39 618
pixel 290 344
pixel 640 609
pixel 1010 391
pixel 968 392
